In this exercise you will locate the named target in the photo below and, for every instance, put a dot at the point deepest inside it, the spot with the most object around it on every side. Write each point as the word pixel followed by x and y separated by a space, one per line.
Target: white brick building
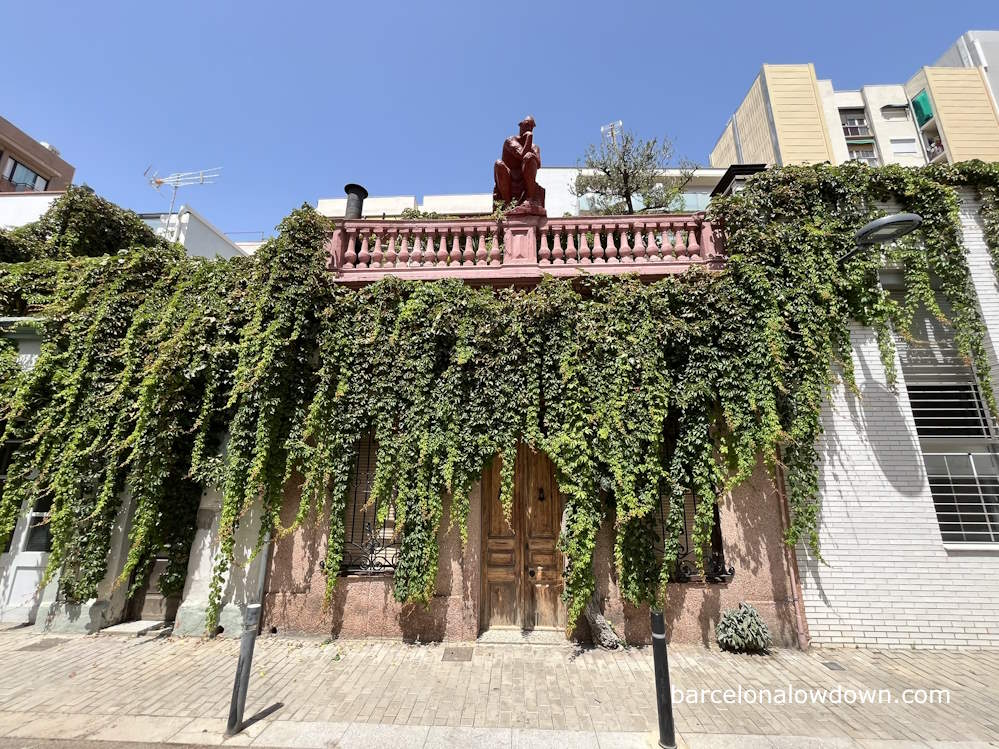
pixel 889 578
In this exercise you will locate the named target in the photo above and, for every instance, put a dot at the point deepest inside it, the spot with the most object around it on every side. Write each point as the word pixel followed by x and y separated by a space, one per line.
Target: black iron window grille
pixel 370 546
pixel 715 569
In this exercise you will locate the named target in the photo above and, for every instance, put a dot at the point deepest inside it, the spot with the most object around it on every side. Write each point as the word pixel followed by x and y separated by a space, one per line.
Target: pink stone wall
pixel 752 536
pixel 364 607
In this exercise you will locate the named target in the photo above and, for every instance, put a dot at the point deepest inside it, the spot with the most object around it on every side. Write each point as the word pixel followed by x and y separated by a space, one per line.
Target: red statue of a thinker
pixel 516 172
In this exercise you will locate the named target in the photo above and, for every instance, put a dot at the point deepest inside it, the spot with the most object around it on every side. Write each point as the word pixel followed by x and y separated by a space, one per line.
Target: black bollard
pixel 664 697
pixel 251 622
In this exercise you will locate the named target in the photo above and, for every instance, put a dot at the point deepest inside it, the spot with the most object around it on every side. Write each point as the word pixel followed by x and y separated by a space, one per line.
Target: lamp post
pixel 883 230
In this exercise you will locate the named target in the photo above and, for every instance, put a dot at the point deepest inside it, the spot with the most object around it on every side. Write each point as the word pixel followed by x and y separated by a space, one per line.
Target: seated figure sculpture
pixel 516 171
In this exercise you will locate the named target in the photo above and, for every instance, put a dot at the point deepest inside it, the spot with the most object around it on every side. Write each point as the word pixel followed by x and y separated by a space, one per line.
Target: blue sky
pixel 294 99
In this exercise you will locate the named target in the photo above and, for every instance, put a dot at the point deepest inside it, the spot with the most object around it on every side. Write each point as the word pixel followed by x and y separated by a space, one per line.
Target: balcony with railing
pixel 856 130
pixel 521 249
pixel 7 186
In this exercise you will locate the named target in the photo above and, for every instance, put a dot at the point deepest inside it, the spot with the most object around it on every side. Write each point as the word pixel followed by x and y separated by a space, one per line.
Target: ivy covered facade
pixel 370 460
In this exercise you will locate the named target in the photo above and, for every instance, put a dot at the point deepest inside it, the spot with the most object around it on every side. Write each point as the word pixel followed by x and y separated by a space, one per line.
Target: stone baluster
pixel 390 253
pixel 404 248
pixel 454 257
pixel 350 256
pixel 364 257
pixel 545 253
pixel 652 250
pixel 494 251
pixel 625 251
pixel 610 250
pixel 584 248
pixel 481 256
pixel 682 236
pixel 571 255
pixel 442 250
pixel 670 243
pixel 598 248
pixel 558 254
pixel 693 248
pixel 468 255
pixel 417 248
pixel 377 255
pixel 639 250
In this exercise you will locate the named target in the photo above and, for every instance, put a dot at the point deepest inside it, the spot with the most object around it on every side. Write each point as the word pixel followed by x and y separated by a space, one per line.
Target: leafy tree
pixel 79 223
pixel 628 175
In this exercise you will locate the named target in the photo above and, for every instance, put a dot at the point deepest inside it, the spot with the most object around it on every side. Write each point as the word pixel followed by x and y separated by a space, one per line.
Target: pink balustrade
pixel 521 249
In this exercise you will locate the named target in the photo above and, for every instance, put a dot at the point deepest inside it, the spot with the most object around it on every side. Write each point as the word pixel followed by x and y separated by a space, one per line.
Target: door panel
pixel 522 569
pixel 543 513
pixel 501 554
pixel 148 603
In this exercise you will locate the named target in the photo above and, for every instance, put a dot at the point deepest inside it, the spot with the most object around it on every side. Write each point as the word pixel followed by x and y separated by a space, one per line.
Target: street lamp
pixel 883 230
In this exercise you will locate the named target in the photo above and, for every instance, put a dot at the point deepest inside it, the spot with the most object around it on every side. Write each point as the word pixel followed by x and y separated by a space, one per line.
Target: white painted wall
pixel 20 208
pixel 883 129
pixel 374 206
pixel 831 102
pixel 242 583
pixel 559 200
pixel 888 580
pixel 886 129
pixel 198 236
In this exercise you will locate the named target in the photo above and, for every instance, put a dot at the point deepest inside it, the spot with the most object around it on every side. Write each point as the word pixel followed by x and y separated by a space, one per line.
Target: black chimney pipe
pixel 355 199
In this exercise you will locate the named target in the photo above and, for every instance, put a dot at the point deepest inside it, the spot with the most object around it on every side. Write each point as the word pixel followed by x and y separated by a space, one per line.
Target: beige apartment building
pixel 944 113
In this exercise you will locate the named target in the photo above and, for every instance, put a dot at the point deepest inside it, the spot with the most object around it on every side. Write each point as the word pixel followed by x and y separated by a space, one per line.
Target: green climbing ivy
pixel 162 375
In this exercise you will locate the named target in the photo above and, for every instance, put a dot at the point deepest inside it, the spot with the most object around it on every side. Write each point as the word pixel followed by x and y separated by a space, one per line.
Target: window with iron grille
pixel 370 546
pixel 957 435
pixel 715 570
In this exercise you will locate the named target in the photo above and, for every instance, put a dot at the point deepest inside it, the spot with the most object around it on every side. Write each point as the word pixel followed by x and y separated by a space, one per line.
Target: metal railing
pixel 7 186
pixel 965 489
pixel 856 131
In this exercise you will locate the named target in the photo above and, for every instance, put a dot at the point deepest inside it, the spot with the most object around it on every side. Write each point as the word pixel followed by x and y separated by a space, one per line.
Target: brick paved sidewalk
pixel 378 693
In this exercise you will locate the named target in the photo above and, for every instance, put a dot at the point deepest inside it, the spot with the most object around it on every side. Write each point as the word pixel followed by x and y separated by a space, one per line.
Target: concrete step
pixel 137 628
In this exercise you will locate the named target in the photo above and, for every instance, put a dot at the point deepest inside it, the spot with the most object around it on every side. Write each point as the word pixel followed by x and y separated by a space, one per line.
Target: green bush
pixel 79 223
pixel 743 630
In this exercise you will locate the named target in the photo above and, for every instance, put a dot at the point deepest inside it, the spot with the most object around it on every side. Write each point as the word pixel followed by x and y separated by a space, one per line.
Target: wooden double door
pixel 522 568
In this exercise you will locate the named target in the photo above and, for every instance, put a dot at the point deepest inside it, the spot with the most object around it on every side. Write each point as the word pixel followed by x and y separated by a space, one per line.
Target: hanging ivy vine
pixel 152 363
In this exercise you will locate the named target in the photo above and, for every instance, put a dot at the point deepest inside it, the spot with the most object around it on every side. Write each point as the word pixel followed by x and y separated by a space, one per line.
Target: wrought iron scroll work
pixel 715 569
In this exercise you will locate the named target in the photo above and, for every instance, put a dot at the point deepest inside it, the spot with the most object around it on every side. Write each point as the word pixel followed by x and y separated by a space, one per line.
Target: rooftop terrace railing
pixel 521 249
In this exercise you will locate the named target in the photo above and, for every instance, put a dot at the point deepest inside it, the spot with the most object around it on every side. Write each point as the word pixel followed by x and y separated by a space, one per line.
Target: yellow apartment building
pixel 789 116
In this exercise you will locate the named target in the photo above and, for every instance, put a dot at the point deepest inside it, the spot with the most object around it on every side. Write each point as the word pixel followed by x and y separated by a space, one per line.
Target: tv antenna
pixel 178 180
pixel 611 130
